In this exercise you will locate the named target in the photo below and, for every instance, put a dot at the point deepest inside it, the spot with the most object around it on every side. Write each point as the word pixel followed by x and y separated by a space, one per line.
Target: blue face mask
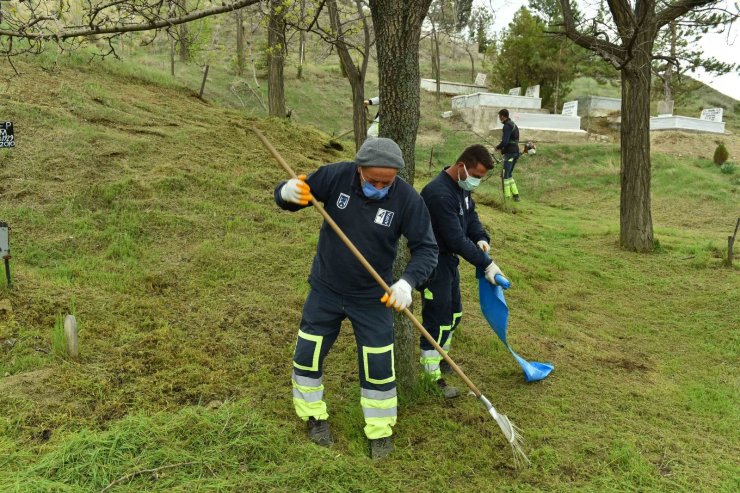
pixel 371 192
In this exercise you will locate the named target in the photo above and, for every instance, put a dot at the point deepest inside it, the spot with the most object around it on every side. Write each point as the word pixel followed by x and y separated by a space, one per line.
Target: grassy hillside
pixel 149 215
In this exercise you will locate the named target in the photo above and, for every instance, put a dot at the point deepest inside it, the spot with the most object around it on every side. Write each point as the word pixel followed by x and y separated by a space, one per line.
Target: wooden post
pixel 203 84
pixel 70 336
pixel 731 244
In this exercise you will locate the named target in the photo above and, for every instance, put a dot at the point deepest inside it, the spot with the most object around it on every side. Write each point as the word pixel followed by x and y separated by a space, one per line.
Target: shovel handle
pixel 367 265
pixel 502 281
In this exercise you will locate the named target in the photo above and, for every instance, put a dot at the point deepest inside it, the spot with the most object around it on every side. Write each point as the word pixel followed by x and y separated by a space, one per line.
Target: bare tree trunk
pixel 472 64
pixel 636 223
pixel 302 42
pixel 557 83
pixel 239 42
pixel 397 31
pixel 252 30
pixel 436 62
pixel 183 34
pixel 276 60
pixel 668 76
pixel 172 54
pixel 355 75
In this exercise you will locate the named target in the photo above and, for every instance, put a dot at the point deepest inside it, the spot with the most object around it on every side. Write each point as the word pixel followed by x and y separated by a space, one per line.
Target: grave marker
pixel 533 91
pixel 570 108
pixel 712 114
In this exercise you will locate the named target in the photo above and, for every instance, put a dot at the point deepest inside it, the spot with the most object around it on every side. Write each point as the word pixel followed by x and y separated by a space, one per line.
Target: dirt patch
pixel 429 139
pixel 693 144
pixel 626 364
pixel 22 382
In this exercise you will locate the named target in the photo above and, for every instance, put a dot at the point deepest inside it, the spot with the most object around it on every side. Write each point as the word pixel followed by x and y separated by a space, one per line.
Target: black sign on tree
pixel 7 139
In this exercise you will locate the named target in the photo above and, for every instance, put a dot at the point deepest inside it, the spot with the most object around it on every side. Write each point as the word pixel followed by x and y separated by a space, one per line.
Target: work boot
pixel 445 368
pixel 448 391
pixel 380 448
pixel 516 198
pixel 318 431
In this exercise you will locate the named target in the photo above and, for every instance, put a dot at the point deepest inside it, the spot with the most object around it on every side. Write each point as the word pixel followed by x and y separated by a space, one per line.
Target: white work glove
pixel 483 245
pixel 400 296
pixel 491 272
pixel 296 191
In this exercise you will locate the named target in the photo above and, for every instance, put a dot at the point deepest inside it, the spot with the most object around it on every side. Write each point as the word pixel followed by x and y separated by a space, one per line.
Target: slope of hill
pixel 149 215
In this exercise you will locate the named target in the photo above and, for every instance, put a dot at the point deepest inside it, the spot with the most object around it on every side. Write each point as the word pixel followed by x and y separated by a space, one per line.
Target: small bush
pixel 728 168
pixel 720 154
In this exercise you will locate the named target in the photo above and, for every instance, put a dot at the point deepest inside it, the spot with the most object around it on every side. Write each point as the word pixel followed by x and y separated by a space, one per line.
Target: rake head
pixel 513 436
pixel 511 432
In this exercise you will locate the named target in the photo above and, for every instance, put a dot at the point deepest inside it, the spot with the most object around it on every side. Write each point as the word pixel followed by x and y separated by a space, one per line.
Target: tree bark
pixel 183 34
pixel 239 43
pixel 636 223
pixel 355 75
pixel 668 76
pixel 398 31
pixel 436 63
pixel 276 60
pixel 301 42
pixel 172 54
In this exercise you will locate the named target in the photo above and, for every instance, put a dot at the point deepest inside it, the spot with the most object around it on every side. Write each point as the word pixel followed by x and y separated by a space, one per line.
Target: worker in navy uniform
pixel 509 147
pixel 459 233
pixel 374 207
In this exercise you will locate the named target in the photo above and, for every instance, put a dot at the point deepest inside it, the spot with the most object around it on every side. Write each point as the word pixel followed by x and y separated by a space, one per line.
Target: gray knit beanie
pixel 380 153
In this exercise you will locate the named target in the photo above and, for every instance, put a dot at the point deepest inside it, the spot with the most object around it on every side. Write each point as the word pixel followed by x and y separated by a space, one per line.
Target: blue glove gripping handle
pixel 502 281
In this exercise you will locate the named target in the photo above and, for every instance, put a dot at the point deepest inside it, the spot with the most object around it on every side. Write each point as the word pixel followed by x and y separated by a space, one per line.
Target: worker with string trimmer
pixel 459 233
pixel 373 207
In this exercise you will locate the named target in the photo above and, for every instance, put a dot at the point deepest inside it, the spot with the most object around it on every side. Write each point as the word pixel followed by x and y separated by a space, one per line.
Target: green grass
pixel 149 214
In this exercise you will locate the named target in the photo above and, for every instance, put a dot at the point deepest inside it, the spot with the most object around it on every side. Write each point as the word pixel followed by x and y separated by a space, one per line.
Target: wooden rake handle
pixel 366 264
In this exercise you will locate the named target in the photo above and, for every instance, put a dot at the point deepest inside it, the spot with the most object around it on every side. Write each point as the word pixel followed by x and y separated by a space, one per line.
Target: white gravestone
pixel 712 114
pixel 515 91
pixel 533 91
pixel 570 108
pixel 480 79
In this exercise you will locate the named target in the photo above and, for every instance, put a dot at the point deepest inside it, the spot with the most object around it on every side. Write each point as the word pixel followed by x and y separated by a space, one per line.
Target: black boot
pixel 380 448
pixel 448 391
pixel 516 198
pixel 318 431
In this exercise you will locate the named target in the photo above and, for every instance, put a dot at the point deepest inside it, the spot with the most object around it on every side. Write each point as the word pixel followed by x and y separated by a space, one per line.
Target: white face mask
pixel 468 184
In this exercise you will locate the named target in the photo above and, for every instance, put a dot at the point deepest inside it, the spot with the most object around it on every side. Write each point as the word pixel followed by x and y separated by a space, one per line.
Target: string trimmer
pixel 511 432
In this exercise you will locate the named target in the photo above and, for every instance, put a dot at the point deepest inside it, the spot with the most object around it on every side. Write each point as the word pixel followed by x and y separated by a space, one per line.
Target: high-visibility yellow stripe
pixel 378 350
pixel 379 427
pixel 308 401
pixel 316 352
pixel 379 404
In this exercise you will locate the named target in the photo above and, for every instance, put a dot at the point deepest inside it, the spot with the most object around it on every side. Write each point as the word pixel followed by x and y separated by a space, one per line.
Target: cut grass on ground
pixel 149 214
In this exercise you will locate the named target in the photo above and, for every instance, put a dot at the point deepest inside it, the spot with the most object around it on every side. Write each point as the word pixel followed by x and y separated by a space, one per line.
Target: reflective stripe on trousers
pixel 308 397
pixel 323 313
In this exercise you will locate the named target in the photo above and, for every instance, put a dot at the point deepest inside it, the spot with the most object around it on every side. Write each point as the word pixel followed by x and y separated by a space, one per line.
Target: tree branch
pixel 116 29
pixel 676 10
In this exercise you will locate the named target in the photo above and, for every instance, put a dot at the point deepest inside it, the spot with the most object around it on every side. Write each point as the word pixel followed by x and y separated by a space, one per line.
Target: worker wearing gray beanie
pixel 379 153
pixel 374 208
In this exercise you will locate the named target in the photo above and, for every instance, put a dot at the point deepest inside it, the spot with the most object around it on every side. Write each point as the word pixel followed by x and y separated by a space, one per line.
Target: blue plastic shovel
pixel 496 311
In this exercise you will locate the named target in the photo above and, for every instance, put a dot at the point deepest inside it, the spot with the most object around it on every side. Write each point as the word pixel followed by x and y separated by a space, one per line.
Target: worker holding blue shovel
pixel 459 233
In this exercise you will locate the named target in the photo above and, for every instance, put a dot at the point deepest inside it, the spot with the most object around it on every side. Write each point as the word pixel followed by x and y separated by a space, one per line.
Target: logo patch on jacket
pixel 383 217
pixel 343 200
